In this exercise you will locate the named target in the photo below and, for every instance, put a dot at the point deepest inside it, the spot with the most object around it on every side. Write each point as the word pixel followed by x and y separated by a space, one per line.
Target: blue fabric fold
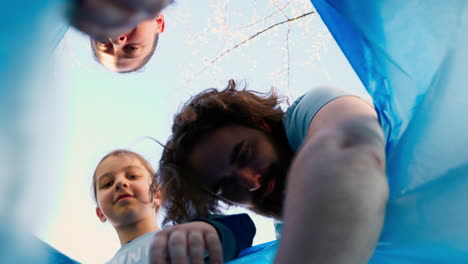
pixel 412 57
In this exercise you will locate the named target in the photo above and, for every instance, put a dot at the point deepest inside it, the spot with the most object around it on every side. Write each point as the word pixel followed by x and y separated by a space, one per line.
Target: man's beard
pixel 272 204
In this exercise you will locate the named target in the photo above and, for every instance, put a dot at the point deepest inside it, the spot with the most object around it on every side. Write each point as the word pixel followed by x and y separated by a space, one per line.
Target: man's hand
pixel 102 19
pixel 186 243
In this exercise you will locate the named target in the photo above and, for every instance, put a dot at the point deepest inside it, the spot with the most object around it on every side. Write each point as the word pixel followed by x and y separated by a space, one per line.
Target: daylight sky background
pixel 97 111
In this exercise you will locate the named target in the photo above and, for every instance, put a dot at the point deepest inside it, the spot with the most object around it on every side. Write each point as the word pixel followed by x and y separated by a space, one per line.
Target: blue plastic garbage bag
pixel 412 57
pixel 29 31
pixel 263 253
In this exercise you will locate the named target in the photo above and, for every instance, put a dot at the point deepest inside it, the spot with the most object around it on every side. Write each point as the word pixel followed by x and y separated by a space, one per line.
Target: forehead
pixel 211 155
pixel 117 162
pixel 220 140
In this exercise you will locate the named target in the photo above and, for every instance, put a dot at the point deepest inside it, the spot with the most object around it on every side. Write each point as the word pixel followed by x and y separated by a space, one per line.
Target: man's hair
pixel 204 113
pixel 138 67
pixel 154 187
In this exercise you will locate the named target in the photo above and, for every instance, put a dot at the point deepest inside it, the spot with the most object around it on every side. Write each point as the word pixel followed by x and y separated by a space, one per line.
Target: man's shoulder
pixel 301 113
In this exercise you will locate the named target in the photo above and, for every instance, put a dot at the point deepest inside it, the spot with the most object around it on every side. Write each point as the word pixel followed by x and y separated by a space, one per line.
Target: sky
pixel 91 111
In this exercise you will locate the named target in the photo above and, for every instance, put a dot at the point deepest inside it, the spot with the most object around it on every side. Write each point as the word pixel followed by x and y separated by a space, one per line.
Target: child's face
pixel 128 51
pixel 123 191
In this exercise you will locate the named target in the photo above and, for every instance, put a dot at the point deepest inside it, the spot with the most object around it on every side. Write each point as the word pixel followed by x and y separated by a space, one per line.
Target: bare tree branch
pixel 278 10
pixel 252 37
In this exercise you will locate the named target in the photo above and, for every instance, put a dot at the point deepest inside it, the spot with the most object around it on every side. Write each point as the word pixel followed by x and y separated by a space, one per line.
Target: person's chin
pixel 268 201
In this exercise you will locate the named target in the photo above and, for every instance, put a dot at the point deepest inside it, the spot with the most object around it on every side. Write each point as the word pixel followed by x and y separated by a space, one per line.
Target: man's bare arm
pixel 337 188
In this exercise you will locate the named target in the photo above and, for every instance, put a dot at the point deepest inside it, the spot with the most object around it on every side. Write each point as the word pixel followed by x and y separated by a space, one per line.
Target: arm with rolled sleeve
pixel 236 232
pixel 217 239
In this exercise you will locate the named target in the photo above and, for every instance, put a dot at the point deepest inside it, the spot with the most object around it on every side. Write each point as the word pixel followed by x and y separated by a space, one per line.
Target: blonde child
pixel 128 197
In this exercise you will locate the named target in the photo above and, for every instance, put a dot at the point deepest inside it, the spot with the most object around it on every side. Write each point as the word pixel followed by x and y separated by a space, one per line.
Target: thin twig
pixel 289 60
pixel 225 16
pixel 252 37
pixel 267 17
pixel 280 9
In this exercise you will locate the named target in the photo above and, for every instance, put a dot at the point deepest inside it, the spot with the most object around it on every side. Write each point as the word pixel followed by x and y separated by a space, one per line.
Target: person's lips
pixel 122 197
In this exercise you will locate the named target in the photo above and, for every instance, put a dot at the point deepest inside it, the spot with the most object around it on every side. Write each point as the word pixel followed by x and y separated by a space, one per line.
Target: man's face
pixel 243 166
pixel 129 50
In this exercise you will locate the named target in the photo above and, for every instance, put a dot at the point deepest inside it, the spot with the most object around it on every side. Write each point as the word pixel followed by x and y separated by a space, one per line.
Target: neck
pixel 129 232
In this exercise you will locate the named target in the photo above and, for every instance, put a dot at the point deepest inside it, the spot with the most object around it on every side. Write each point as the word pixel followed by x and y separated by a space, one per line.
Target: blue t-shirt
pixel 302 111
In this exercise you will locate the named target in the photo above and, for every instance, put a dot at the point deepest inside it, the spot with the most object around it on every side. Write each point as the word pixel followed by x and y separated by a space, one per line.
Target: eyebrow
pixel 111 173
pixel 235 151
pixel 124 56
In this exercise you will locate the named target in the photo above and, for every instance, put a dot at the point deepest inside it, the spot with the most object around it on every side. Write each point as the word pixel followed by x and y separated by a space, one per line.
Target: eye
pixel 105 185
pixel 242 154
pixel 133 177
pixel 103 45
pixel 131 48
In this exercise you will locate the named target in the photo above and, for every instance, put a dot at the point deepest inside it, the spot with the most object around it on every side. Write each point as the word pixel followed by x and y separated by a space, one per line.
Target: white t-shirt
pixel 135 251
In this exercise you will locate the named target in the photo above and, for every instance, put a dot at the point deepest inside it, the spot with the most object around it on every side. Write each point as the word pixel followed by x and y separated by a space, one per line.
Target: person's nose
pixel 119 40
pixel 121 184
pixel 249 178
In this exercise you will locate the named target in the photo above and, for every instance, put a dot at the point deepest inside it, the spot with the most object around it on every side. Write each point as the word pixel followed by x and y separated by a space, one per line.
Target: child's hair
pixel 199 117
pixel 154 187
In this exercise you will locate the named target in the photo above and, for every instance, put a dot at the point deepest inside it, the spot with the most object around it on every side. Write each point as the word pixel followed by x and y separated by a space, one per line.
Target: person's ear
pixel 161 23
pixel 158 199
pixel 100 215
